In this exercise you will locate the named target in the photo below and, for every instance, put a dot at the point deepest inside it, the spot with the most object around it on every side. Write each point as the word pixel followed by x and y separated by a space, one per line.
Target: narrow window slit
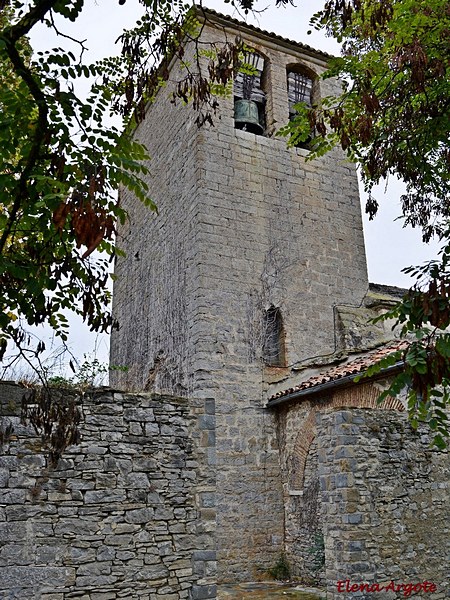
pixel 274 353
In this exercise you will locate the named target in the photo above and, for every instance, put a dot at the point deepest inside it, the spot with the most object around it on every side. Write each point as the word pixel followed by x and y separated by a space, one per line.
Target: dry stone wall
pixel 385 507
pixel 366 497
pixel 117 518
pixel 303 525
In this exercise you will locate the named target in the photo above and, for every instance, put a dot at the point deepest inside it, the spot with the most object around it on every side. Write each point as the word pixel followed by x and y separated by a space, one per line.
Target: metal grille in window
pixel 273 346
pixel 248 87
pixel 299 90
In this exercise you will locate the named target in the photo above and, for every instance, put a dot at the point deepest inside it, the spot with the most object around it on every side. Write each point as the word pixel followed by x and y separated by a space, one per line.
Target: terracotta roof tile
pixel 354 367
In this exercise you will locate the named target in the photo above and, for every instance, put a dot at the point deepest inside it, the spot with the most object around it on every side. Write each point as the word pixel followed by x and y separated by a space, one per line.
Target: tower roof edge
pixel 211 16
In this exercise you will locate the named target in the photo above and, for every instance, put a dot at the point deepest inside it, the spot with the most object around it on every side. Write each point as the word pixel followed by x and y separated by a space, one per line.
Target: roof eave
pixel 335 384
pixel 270 39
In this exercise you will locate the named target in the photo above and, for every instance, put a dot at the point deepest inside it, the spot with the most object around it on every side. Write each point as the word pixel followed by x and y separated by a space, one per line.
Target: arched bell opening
pixel 249 96
pixel 303 87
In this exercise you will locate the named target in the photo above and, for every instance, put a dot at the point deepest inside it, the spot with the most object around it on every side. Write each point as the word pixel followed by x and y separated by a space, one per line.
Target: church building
pixel 249 281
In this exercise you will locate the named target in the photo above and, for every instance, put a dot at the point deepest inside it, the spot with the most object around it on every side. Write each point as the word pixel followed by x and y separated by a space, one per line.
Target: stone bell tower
pixel 235 281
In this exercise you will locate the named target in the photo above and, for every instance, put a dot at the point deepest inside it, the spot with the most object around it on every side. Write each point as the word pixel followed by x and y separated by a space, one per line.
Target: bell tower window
pixel 302 87
pixel 274 353
pixel 249 97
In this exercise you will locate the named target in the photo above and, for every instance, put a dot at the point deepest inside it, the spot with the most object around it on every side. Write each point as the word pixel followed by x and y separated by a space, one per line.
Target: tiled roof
pixel 209 11
pixel 352 368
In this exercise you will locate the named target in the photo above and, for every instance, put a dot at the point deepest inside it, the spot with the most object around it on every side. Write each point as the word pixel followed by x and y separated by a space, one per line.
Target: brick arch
pixel 303 441
pixel 363 396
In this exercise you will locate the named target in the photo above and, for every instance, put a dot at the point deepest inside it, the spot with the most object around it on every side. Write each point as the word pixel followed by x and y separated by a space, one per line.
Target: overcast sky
pixel 389 246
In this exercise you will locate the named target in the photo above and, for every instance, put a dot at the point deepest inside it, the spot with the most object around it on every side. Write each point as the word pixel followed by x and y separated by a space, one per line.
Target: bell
pixel 246 116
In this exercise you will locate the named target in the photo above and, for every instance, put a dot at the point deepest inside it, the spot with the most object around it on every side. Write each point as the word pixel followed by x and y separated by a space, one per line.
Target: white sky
pixel 389 246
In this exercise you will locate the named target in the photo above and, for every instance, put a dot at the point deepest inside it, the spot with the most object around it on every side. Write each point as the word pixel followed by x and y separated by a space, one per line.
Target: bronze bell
pixel 246 116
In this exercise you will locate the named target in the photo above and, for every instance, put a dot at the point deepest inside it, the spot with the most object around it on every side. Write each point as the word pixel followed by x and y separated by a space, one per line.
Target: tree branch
pixel 10 36
pixel 28 21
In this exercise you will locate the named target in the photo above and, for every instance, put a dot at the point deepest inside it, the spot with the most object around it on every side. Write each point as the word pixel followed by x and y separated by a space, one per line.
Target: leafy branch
pixel 61 166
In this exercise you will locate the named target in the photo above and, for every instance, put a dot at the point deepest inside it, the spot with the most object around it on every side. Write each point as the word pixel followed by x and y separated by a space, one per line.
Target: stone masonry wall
pixel 303 525
pixel 157 296
pixel 244 222
pixel 385 505
pixel 118 516
pixel 298 439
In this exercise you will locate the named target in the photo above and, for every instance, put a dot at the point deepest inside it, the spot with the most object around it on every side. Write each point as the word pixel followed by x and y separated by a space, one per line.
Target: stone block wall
pixel 121 514
pixel 385 506
pixel 157 299
pixel 244 223
pixel 299 438
pixel 126 513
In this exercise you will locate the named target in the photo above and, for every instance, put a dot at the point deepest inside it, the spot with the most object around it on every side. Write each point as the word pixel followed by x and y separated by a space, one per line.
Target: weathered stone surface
pixel 141 515
pixel 384 525
pixel 244 223
pixel 17 578
pixel 91 534
pixel 203 592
